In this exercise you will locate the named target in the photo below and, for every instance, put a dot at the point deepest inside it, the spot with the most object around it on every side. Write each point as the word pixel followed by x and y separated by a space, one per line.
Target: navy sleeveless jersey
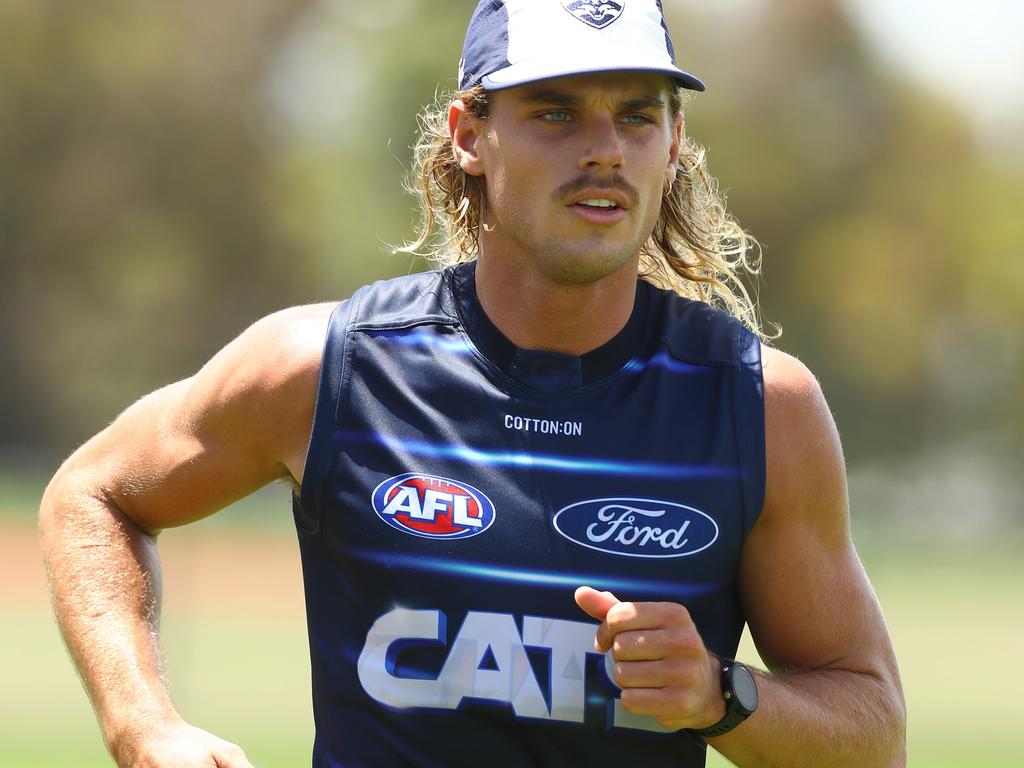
pixel 458 489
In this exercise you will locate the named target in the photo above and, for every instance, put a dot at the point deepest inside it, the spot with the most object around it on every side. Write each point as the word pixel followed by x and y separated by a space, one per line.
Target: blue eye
pixel 636 119
pixel 557 116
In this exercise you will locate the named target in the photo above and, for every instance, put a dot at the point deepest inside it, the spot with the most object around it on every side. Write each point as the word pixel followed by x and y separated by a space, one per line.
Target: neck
pixel 536 313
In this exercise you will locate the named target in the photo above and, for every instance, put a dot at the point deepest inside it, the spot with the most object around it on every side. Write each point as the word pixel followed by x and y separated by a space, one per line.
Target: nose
pixel 602 147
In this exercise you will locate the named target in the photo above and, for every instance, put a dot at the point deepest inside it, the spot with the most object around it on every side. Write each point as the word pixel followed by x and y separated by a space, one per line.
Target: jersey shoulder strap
pixel 697 333
pixel 401 302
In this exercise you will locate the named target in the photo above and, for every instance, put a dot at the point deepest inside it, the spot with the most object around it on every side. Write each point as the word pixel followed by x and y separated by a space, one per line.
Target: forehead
pixel 606 87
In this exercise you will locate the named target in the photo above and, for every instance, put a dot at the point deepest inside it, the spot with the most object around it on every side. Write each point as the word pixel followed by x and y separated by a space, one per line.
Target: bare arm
pixel 175 456
pixel 833 699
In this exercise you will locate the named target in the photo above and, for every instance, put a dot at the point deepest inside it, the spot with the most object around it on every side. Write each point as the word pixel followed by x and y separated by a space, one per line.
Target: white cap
pixel 512 42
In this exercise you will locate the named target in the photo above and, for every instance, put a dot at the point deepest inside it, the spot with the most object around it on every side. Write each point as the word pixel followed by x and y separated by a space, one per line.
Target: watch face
pixel 745 687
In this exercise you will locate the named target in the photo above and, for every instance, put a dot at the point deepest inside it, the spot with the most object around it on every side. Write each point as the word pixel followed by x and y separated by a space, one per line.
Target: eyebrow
pixel 562 99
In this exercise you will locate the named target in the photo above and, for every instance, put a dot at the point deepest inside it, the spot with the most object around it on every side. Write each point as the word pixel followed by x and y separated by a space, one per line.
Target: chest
pixel 633 482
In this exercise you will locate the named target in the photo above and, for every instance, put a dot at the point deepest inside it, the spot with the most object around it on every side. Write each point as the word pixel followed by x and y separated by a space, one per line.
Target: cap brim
pixel 536 71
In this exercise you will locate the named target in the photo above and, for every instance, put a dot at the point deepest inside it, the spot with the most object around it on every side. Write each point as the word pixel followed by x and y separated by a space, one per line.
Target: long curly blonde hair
pixel 696 249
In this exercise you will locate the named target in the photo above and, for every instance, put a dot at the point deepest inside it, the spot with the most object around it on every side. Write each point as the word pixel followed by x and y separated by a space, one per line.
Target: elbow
pixel 61 496
pixel 882 719
pixel 51 508
pixel 61 523
pixel 54 521
pixel 894 711
pixel 900 753
pixel 883 742
pixel 74 514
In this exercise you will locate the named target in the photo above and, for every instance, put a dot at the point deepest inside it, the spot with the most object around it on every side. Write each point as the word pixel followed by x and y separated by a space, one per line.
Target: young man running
pixel 538 491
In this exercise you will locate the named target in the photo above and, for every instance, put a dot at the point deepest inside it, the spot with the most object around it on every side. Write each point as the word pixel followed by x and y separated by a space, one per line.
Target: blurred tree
pixel 173 171
pixel 882 226
pixel 133 202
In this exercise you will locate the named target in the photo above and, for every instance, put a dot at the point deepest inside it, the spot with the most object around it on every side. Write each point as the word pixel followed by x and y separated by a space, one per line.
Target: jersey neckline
pixel 542 370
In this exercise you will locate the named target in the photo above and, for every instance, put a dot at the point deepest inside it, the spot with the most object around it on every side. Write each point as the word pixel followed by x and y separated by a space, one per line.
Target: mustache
pixel 615 181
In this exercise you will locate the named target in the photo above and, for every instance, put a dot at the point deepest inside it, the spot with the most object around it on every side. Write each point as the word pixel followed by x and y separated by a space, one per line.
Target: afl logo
pixel 637 527
pixel 432 507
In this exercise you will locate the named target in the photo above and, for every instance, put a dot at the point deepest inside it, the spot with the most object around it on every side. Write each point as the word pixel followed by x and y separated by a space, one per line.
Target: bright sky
pixel 971 51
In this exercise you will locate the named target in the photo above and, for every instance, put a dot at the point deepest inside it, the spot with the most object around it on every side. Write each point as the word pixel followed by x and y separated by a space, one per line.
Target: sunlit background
pixel 169 172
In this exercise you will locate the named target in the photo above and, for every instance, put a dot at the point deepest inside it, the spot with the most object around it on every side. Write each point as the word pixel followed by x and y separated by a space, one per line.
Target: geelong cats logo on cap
pixel 597 14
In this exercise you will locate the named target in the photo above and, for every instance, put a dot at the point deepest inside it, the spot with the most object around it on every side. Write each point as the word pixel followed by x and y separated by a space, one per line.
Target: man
pixel 536 497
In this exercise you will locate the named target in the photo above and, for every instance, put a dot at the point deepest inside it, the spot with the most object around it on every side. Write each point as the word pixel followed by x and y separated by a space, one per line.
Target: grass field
pixel 238 664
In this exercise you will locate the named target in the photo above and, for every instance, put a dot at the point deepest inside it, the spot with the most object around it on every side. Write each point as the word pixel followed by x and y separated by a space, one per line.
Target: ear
pixel 465 130
pixel 678 132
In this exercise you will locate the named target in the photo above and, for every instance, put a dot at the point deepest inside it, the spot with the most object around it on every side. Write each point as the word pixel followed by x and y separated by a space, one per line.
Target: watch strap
pixel 735 712
pixel 723 726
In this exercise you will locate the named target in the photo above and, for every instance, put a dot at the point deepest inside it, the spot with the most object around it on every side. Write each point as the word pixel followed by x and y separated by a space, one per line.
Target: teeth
pixel 599 203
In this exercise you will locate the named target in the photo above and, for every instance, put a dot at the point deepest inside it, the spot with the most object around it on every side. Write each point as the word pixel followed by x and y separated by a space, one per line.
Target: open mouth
pixel 599 204
pixel 599 210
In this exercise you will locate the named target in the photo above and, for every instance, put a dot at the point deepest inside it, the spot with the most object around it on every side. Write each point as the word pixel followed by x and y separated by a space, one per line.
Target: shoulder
pixel 282 348
pixel 258 393
pixel 789 385
pixel 263 383
pixel 803 454
pixel 290 339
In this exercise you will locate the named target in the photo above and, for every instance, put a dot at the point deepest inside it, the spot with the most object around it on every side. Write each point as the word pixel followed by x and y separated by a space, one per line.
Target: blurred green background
pixel 169 172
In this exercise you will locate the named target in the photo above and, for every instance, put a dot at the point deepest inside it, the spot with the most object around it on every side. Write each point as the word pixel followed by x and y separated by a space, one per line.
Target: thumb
pixel 595 604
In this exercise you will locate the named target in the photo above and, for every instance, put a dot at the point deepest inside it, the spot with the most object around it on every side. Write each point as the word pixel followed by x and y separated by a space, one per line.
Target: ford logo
pixel 637 527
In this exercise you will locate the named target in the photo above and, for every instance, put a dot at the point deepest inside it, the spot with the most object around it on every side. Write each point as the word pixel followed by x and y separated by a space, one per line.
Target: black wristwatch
pixel 739 690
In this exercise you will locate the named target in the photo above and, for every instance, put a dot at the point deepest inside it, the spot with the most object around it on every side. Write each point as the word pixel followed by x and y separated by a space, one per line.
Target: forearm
pixel 104 575
pixel 820 719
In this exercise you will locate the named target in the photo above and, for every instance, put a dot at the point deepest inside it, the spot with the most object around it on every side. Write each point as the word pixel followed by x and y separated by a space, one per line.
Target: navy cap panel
pixel 486 46
pixel 668 38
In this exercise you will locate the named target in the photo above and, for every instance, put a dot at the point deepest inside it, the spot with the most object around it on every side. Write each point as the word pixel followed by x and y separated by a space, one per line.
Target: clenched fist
pixel 179 745
pixel 660 661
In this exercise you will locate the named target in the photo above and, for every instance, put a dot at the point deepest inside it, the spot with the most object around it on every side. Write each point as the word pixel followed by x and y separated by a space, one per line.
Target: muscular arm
pixel 834 698
pixel 177 455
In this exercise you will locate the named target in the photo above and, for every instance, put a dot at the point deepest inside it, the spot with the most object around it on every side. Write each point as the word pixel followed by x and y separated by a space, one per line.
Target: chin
pixel 585 268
